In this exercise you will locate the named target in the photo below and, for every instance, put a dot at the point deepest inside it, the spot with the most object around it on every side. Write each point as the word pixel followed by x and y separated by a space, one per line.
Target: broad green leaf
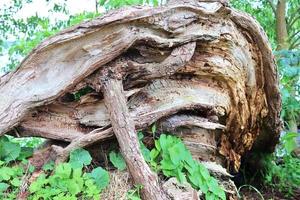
pixel 11 151
pixel 177 153
pixel 3 187
pixel 167 164
pixel 101 177
pixel 73 187
pixel 63 170
pixel 79 158
pixel 117 160
pixel 180 176
pixel 16 182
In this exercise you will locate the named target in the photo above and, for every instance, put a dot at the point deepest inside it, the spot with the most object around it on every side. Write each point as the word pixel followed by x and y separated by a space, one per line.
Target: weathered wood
pixel 126 135
pixel 199 59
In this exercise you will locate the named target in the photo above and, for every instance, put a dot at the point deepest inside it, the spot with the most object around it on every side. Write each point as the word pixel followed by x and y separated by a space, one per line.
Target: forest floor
pixel 268 194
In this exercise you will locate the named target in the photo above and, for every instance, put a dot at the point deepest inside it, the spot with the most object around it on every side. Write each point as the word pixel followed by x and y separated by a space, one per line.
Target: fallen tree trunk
pixel 197 69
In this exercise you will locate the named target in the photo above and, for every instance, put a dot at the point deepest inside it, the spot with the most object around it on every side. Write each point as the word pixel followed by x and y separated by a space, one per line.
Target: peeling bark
pixel 198 69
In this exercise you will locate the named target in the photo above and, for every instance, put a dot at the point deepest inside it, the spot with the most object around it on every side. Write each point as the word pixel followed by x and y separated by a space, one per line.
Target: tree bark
pixel 126 135
pixel 281 25
pixel 202 70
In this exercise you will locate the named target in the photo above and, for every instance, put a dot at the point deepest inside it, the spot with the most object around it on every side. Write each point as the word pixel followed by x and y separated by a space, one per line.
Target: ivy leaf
pixel 79 158
pixel 117 160
pixel 101 177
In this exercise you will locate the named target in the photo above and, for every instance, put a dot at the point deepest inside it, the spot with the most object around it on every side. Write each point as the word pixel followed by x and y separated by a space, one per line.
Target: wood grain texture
pixel 189 58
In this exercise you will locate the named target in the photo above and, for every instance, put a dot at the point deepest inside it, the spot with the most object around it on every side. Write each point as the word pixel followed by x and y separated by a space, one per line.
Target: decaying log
pixel 198 69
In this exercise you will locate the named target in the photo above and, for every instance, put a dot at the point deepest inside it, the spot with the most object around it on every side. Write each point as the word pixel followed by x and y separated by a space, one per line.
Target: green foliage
pixel 174 160
pixel 262 11
pixel 144 149
pixel 66 182
pixel 117 160
pixel 283 173
pixel 10 180
pixel 9 150
pixel 80 158
pixel 100 176
pixel 134 194
pixel 69 181
pixel 289 69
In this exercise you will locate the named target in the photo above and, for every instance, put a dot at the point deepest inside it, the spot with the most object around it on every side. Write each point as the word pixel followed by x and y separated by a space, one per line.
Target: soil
pixel 268 194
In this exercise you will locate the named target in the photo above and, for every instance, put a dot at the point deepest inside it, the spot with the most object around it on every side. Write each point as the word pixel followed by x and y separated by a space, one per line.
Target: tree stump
pixel 198 69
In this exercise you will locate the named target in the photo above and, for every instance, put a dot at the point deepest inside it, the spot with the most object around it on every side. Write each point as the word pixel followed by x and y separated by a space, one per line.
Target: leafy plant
pixel 117 160
pixel 69 181
pixel 79 158
pixel 10 150
pixel 174 160
pixel 10 180
pixel 282 171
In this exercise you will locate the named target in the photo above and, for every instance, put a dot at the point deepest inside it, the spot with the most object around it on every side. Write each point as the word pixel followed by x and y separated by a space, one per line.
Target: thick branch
pixel 124 130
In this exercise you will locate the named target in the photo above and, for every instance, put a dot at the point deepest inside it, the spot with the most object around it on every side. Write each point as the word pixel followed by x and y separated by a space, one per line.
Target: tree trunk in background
pixel 283 44
pixel 198 69
pixel 281 25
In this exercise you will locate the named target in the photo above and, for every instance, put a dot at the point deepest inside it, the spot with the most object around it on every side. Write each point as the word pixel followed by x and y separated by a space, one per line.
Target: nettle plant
pixel 171 158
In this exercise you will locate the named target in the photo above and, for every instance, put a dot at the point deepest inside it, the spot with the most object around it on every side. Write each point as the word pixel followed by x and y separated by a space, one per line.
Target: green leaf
pixel 79 158
pixel 3 187
pixel 177 153
pixel 63 170
pixel 25 153
pixel 153 129
pixel 101 177
pixel 180 176
pixel 153 154
pixel 73 187
pixel 145 152
pixel 117 160
pixel 11 151
pixel 49 166
pixel 16 182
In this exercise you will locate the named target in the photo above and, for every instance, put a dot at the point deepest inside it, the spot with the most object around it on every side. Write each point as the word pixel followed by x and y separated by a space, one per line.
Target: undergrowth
pixel 67 181
pixel 277 173
pixel 171 158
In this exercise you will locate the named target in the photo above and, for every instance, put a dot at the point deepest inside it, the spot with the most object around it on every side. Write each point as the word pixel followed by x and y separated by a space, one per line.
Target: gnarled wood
pixel 200 69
